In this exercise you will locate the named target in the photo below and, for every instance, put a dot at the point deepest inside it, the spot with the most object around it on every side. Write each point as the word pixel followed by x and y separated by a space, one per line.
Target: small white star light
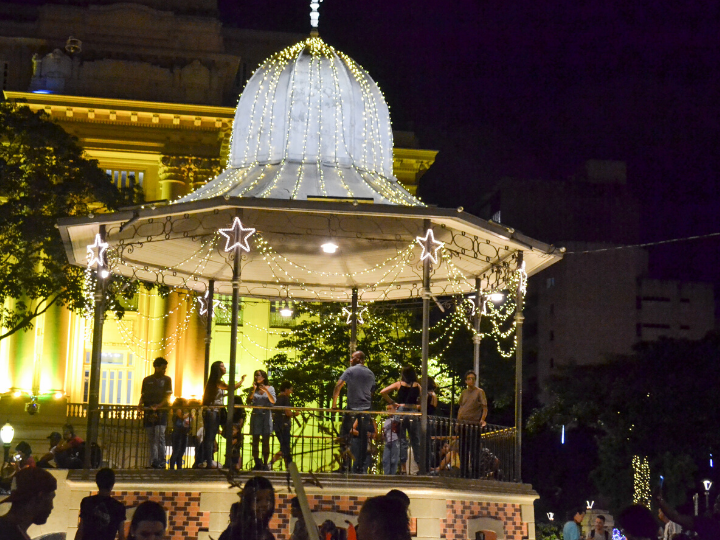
pixel 237 236
pixel 430 246
pixel 348 312
pixel 96 252
pixel 204 301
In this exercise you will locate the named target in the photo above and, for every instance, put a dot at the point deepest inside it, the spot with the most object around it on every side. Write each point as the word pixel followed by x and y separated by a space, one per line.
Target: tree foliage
pixel 391 338
pixel 43 177
pixel 660 403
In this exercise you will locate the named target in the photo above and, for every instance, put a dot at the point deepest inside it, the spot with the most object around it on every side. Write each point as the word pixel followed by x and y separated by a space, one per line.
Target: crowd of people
pixel 637 522
pixel 103 517
pixel 272 413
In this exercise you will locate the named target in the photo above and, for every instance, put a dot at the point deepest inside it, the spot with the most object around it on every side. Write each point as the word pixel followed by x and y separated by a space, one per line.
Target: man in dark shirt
pixel 282 423
pixel 101 516
pixel 154 402
pixel 31 495
pixel 67 452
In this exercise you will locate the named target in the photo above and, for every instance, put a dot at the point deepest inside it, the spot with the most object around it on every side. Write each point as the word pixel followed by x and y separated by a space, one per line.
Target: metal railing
pixel 320 440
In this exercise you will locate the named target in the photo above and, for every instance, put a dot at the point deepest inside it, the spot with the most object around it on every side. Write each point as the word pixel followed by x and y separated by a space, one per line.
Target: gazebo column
pixel 93 412
pixel 208 326
pixel 476 337
pixel 425 354
pixel 237 255
pixel 353 321
pixel 519 318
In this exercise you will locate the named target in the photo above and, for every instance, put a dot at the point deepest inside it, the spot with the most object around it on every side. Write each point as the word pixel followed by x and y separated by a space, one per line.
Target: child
pixel 181 426
pixel 391 452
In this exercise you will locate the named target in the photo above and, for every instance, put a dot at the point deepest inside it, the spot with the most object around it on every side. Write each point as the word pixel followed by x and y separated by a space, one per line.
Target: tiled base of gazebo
pixel 198 503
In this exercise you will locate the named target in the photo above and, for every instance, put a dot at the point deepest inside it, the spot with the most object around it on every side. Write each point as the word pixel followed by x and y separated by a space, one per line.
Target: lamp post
pixel 6 434
pixel 707 484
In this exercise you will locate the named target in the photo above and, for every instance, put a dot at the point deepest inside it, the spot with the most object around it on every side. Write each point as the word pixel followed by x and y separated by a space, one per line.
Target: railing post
pixel 233 355
pixel 425 353
pixel 208 326
pixel 518 366
pixel 479 304
pixel 353 321
pixel 96 354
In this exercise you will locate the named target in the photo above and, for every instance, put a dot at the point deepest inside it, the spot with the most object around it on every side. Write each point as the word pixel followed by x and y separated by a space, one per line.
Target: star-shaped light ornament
pixel 237 236
pixel 203 301
pixel 430 246
pixel 96 252
pixel 348 312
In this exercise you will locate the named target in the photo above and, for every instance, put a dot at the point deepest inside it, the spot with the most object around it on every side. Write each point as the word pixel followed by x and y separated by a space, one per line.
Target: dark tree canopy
pixel 660 403
pixel 43 177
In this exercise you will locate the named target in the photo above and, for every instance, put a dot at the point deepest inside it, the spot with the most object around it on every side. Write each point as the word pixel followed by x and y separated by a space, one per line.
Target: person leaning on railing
pixel 154 403
pixel 472 411
pixel 214 413
pixel 261 424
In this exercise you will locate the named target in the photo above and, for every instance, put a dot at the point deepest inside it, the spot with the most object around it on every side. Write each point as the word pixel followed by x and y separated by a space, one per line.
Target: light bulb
pixel 329 247
pixel 286 312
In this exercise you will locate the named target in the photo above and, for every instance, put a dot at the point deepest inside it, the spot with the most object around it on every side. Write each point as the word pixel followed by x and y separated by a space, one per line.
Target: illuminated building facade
pixel 149 89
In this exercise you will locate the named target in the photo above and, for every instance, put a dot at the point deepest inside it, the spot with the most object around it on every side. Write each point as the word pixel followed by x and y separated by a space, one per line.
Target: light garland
pixel 641 481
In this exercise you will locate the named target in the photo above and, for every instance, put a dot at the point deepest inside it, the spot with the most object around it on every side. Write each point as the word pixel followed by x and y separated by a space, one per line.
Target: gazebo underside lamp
pixel 308 209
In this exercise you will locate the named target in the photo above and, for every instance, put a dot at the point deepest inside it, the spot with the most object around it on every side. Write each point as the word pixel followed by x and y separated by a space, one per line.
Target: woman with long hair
pixel 261 425
pixel 408 400
pixel 149 522
pixel 213 402
pixel 257 506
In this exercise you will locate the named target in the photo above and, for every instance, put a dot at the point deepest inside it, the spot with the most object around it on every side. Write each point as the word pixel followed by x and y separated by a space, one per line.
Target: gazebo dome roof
pixel 311 123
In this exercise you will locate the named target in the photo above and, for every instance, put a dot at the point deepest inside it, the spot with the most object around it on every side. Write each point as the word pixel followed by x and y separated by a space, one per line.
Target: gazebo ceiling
pixel 180 246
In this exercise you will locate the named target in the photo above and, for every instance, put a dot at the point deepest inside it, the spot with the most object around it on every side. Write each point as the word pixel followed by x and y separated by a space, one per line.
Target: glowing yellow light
pixel 329 247
pixel 58 395
pixel 17 393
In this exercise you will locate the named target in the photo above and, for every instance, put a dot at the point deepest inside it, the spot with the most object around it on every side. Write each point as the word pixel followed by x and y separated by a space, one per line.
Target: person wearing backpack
pixel 599 530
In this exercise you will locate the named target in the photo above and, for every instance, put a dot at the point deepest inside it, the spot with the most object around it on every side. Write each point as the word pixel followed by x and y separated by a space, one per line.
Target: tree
pixel 391 338
pixel 43 177
pixel 659 403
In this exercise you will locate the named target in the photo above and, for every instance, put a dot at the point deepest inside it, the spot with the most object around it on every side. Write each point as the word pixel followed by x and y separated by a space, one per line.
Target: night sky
pixel 535 88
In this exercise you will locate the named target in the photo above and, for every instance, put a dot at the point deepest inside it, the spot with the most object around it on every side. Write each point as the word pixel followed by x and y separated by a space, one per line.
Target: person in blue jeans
pixel 181 427
pixel 213 403
pixel 391 452
pixel 408 400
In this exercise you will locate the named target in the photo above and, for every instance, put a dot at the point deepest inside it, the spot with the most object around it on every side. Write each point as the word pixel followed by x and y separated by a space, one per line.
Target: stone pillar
pixel 180 175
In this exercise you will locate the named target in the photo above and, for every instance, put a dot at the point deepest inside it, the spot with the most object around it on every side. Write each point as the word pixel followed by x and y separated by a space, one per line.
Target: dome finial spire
pixel 314 16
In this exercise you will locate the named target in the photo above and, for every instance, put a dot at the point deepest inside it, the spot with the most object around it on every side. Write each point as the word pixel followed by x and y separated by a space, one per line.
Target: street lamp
pixel 707 484
pixel 6 435
pixel 551 516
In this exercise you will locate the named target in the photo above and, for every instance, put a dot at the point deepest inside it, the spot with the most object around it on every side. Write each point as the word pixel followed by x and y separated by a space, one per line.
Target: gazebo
pixel 308 209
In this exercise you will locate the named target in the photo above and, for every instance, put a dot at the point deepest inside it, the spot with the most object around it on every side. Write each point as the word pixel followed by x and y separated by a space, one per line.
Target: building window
pixel 638 302
pixel 496 217
pixel 4 75
pixel 125 179
pixel 223 310
pixel 638 330
pixel 552 362
pixel 552 335
pixel 685 300
pixel 684 327
pixel 549 282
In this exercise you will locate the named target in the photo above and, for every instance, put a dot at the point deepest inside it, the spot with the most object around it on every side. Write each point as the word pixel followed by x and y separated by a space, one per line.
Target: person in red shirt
pixel 66 452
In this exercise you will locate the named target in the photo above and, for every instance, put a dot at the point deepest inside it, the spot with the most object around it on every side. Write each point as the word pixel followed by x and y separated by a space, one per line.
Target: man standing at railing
pixel 472 411
pixel 155 401
pixel 360 385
